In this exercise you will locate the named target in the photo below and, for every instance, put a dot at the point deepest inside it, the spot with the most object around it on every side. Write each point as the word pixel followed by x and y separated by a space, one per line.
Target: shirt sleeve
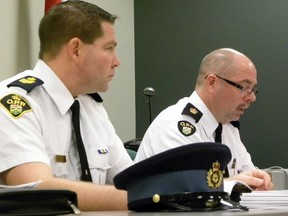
pixel 163 135
pixel 119 159
pixel 21 140
pixel 241 159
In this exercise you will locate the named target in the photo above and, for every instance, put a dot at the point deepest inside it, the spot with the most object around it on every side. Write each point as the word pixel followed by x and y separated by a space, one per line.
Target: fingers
pixel 267 184
pixel 254 182
pixel 256 179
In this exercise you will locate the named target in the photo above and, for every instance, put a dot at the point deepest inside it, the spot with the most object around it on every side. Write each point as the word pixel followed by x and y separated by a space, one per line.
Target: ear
pixel 211 83
pixel 210 80
pixel 73 48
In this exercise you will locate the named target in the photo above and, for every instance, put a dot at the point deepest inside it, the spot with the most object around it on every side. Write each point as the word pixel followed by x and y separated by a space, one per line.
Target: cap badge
pixel 215 176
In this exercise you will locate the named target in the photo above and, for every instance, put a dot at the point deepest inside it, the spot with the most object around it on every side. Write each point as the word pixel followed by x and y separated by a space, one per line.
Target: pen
pixel 234 166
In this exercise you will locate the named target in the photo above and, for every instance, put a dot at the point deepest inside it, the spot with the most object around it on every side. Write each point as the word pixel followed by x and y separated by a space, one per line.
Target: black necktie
pixel 218 138
pixel 218 134
pixel 86 175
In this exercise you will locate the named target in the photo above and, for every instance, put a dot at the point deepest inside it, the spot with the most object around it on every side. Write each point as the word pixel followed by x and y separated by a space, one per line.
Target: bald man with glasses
pixel 225 88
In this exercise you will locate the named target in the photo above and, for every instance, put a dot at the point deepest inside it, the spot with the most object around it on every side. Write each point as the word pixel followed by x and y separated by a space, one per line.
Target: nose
pixel 250 97
pixel 116 62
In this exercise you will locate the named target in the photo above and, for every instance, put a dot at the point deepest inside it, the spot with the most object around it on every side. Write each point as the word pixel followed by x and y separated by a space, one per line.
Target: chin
pixel 105 89
pixel 102 88
pixel 236 118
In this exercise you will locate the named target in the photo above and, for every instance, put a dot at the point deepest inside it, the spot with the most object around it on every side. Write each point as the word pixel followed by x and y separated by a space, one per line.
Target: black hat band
pixel 170 183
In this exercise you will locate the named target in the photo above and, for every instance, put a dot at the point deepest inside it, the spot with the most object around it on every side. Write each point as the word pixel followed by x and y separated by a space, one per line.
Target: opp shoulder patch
pixel 186 128
pixel 15 105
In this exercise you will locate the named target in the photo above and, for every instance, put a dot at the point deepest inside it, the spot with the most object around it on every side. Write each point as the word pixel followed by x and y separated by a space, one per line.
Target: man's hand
pixel 256 179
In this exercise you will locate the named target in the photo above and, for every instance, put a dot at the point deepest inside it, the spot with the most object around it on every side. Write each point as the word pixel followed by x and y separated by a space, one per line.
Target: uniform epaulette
pixel 28 83
pixel 192 111
pixel 96 97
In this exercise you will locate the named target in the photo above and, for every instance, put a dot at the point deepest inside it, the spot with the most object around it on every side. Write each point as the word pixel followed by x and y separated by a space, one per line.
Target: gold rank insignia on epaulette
pixel 15 105
pixel 192 111
pixel 215 176
pixel 28 83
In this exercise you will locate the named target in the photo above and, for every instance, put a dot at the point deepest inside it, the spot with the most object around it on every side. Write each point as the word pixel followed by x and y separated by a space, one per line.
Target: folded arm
pixel 91 197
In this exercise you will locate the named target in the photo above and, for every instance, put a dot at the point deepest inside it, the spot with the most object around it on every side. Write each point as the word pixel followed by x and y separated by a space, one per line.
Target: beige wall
pixel 19 44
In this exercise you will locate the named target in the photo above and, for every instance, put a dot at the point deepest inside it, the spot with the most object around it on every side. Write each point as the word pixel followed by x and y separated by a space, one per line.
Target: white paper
pixel 271 199
pixel 229 185
pixel 27 185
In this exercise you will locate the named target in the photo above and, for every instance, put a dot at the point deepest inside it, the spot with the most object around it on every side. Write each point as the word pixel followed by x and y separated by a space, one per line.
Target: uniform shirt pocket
pixel 98 160
pixel 59 165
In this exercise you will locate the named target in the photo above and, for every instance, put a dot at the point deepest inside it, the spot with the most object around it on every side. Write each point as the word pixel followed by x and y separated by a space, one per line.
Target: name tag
pixel 60 158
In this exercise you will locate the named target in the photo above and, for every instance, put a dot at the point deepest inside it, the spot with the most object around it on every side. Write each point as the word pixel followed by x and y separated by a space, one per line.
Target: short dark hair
pixel 71 19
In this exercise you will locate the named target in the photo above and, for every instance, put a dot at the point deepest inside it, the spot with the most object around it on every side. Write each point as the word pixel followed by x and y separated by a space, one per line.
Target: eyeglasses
pixel 245 90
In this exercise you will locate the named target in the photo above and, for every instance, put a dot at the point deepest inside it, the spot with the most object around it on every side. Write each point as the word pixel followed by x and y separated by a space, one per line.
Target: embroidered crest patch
pixel 15 105
pixel 186 128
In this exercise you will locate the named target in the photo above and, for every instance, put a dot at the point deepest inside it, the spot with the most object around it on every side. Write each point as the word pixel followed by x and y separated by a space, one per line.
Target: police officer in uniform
pixel 77 59
pixel 225 88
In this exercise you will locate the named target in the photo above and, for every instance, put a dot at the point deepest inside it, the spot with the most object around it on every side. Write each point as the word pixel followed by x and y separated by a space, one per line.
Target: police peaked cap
pixel 187 176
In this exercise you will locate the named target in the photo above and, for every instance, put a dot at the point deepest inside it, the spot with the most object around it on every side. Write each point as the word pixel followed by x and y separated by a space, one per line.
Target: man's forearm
pixel 91 197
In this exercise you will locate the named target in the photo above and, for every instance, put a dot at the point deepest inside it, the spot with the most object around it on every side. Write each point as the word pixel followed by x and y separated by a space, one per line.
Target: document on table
pixel 27 185
pixel 236 186
pixel 271 199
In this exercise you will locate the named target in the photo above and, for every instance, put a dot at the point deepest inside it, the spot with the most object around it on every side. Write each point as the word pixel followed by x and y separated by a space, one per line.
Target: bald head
pixel 223 74
pixel 224 61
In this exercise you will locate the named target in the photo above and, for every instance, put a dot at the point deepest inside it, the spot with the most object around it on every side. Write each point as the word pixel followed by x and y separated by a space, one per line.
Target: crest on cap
pixel 215 176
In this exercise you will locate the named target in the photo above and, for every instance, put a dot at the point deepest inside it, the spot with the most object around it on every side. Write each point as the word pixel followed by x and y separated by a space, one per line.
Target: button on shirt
pixel 46 132
pixel 163 134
